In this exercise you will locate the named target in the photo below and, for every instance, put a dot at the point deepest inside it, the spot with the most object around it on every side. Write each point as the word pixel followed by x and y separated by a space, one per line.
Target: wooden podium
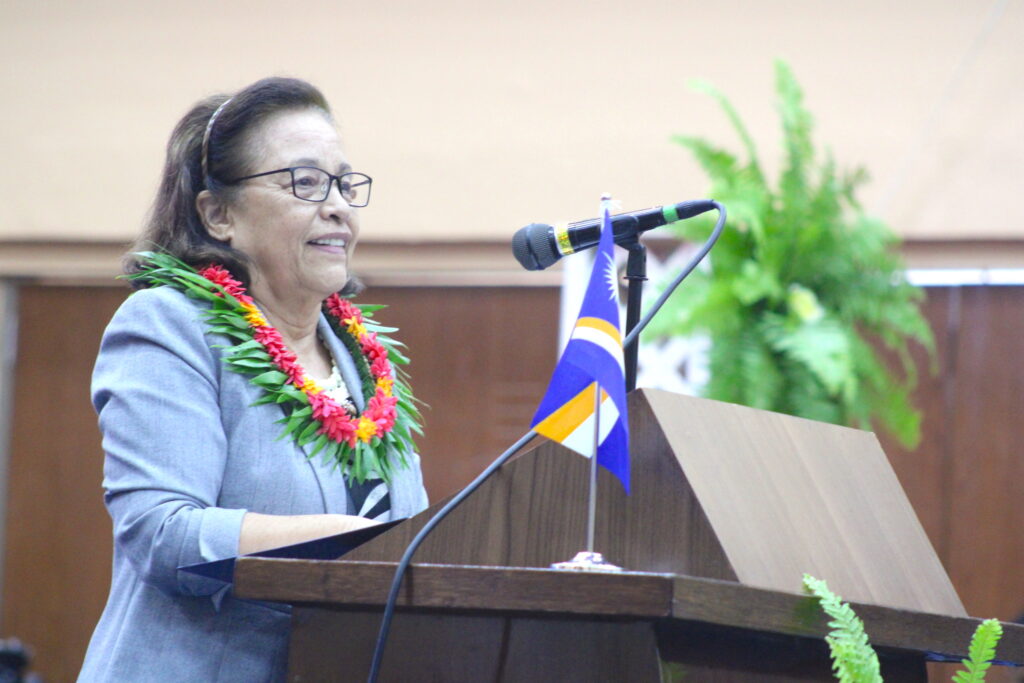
pixel 730 507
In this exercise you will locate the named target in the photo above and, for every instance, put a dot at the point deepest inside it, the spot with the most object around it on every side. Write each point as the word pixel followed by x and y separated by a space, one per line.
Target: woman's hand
pixel 263 532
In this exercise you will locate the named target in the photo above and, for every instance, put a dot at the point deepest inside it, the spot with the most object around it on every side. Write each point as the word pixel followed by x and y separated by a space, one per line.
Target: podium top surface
pixel 786 495
pixel 601 596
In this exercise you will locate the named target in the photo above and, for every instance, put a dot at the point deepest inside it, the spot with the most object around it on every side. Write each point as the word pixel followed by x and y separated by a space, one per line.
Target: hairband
pixel 206 138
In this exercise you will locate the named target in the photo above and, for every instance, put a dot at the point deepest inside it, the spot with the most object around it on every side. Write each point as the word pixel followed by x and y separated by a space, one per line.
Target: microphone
pixel 538 246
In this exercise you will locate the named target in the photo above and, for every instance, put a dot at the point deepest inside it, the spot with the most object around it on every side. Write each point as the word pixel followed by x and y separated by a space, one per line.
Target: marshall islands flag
pixel 592 359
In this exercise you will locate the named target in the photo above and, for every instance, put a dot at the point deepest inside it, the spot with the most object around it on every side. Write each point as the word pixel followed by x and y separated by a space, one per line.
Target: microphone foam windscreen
pixel 532 247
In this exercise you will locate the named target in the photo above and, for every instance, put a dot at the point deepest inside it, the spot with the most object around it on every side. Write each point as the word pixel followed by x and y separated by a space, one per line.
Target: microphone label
pixel 562 238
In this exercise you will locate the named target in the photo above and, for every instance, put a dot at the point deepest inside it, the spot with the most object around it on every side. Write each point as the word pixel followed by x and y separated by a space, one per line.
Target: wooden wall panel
pixel 481 359
pixel 965 479
pixel 987 503
pixel 923 472
pixel 58 547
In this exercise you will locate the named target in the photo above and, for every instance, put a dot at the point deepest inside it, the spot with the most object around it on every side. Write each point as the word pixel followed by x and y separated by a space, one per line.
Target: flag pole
pixel 588 560
pixel 599 316
pixel 592 503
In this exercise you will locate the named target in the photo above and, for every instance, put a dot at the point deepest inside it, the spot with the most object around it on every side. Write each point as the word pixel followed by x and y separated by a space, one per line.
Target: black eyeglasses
pixel 314 184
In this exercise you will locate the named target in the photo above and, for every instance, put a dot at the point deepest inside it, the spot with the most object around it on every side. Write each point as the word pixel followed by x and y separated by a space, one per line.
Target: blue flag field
pixel 592 358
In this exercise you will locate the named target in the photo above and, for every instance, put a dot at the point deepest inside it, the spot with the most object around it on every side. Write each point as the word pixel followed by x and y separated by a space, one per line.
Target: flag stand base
pixel 586 561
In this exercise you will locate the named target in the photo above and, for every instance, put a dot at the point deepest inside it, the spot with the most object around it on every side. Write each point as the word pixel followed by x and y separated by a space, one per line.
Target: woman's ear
pixel 215 216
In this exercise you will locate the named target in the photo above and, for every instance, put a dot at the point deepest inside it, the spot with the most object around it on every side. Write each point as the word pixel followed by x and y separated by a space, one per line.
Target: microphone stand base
pixel 586 561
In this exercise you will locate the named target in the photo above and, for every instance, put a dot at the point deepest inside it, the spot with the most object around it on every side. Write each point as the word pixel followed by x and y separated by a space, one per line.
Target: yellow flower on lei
pixel 311 387
pixel 253 315
pixel 366 430
pixel 384 384
pixel 355 328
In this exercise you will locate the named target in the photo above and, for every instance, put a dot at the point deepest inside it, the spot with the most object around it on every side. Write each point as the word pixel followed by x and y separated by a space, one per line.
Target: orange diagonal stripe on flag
pixel 561 423
pixel 601 325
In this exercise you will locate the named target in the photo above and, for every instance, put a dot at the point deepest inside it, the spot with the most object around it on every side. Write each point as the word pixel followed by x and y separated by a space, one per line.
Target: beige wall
pixel 478 117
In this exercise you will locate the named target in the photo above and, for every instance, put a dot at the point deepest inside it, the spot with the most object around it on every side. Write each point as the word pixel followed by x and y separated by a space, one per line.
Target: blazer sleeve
pixel 156 391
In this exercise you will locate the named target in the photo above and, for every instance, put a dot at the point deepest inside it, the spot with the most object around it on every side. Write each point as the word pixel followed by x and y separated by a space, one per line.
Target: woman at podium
pixel 245 401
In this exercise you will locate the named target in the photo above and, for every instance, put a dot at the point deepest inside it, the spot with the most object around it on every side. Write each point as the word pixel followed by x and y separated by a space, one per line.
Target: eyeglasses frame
pixel 334 179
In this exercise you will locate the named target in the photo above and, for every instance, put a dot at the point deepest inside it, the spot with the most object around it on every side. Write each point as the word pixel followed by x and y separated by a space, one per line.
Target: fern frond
pixel 681 313
pixel 981 652
pixel 715 161
pixel 853 658
pixel 796 127
pixel 822 346
pixel 754 282
pixel 760 379
pixel 737 123
pixel 806 396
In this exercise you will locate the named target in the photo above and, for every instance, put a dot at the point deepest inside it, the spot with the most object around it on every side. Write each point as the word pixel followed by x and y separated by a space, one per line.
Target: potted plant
pixel 803 288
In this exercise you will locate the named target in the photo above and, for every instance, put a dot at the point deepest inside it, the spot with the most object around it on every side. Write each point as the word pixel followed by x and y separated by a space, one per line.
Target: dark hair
pixel 174 225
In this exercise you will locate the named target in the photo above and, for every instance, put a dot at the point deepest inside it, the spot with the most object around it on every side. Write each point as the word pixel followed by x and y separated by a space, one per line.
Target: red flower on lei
pixel 335 421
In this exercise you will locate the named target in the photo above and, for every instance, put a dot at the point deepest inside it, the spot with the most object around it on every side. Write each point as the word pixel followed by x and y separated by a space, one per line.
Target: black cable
pixel 403 564
pixel 697 258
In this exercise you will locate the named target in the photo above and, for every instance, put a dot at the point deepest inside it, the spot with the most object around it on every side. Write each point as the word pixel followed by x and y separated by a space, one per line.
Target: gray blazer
pixel 186 457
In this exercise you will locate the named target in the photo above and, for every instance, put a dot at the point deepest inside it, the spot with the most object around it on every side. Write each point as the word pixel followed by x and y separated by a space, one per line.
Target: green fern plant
pixel 801 286
pixel 853 658
pixel 981 652
pixel 855 661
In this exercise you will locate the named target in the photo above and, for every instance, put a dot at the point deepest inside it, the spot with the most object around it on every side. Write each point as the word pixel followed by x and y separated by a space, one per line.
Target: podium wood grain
pixel 460 623
pixel 719 491
pixel 730 507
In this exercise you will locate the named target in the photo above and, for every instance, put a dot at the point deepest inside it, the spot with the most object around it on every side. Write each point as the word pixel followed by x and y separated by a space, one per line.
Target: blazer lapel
pixel 347 368
pixel 343 359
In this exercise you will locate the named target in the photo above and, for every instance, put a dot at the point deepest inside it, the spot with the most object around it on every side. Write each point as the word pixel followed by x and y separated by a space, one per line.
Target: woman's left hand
pixel 263 532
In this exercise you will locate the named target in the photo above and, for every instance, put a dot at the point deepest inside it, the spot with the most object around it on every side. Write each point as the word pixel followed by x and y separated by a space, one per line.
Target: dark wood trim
pixel 536 591
pixel 732 604
pixel 403 263
pixel 391 263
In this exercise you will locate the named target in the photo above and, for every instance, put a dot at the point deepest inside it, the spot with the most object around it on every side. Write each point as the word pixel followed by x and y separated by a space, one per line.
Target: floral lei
pixel 358 445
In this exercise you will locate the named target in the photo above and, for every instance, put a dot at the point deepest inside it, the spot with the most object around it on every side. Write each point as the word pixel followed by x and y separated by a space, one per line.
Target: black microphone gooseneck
pixel 631 338
pixel 636 275
pixel 539 246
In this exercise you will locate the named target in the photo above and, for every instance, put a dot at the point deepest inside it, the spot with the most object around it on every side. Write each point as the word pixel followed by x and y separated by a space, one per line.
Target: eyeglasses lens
pixel 355 188
pixel 310 184
pixel 313 184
